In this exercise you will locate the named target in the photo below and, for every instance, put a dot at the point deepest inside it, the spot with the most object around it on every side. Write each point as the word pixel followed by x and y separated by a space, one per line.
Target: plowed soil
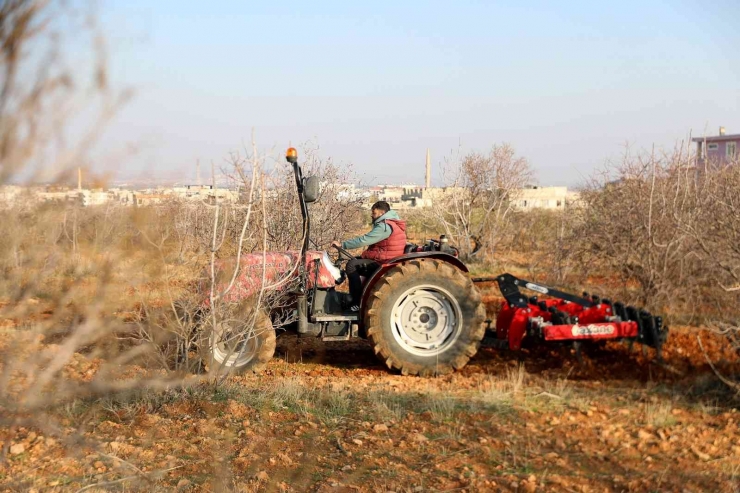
pixel 331 418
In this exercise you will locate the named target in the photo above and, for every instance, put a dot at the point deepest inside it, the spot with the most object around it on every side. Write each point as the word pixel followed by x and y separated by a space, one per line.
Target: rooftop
pixel 717 138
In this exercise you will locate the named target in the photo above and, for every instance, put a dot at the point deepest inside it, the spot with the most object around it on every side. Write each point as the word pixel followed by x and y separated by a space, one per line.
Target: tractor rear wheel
pixel 425 317
pixel 243 341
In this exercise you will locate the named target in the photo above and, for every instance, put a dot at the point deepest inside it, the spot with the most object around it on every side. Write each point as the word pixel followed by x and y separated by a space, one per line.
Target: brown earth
pixel 331 418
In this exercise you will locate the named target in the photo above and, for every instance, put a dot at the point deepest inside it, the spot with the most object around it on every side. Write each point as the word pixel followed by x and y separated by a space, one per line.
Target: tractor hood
pixel 275 271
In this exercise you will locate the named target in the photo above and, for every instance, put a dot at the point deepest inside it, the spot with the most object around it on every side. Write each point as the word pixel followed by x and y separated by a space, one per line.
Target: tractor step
pixel 335 338
pixel 337 317
pixel 346 335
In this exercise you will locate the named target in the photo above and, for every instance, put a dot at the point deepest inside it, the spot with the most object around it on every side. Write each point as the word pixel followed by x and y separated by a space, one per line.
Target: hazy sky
pixel 375 83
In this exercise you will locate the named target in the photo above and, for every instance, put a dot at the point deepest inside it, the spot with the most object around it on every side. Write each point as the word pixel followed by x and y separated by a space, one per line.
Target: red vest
pixel 392 246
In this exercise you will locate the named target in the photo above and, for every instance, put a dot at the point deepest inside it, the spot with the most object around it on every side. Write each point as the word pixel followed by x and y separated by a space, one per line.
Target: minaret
pixel 79 179
pixel 428 181
pixel 197 172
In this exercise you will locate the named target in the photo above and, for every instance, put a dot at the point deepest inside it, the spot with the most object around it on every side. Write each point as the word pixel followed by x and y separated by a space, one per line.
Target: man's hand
pixel 336 244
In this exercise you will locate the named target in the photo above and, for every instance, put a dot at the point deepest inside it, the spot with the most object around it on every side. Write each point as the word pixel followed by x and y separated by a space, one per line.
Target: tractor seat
pixel 410 248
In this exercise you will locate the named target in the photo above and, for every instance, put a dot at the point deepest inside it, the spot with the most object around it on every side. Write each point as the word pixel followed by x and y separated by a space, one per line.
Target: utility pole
pixel 428 181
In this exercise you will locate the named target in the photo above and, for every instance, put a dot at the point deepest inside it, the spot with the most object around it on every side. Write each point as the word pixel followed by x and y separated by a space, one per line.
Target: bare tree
pixel 715 228
pixel 544 241
pixel 478 200
pixel 670 230
pixel 57 320
pixel 631 219
pixel 41 95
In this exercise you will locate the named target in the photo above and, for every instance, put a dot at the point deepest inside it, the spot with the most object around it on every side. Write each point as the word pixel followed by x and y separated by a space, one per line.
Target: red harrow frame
pixel 565 317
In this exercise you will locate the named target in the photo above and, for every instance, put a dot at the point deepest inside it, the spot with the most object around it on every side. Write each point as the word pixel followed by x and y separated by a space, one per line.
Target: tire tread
pixel 382 291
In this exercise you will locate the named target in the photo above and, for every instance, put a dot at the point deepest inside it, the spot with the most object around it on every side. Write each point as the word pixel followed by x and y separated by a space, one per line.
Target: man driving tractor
pixel 423 314
pixel 386 240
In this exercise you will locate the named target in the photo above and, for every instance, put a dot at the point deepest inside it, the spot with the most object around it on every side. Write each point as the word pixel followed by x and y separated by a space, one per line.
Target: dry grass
pixel 505 388
pixel 659 414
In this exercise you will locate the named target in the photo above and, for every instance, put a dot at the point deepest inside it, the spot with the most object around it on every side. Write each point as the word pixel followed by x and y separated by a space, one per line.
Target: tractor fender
pixel 446 257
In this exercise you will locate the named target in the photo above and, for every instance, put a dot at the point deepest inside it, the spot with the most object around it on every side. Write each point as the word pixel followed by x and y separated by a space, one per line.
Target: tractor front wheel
pixel 425 317
pixel 239 343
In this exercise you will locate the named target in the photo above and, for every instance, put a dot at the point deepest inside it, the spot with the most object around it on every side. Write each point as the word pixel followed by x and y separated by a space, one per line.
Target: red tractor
pixel 421 312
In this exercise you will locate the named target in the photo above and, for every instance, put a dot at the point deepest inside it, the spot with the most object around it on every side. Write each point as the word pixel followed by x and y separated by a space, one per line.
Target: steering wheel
pixel 343 252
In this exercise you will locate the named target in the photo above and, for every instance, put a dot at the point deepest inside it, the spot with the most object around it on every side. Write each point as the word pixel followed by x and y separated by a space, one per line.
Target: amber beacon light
pixel 291 155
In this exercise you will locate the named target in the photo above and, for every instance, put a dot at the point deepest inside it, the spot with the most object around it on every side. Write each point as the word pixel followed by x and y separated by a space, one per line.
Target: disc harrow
pixel 564 317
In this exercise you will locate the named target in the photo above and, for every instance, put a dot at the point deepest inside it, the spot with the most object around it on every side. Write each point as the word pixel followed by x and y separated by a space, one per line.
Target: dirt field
pixel 324 418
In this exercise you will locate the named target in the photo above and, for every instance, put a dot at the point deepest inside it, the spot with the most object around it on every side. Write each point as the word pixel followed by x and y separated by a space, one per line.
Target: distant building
pixel 343 191
pixel 55 193
pixel 144 199
pixel 121 196
pixel 425 197
pixel 206 193
pixel 392 195
pixel 94 197
pixel 525 199
pixel 719 150
pixel 544 198
pixel 192 191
